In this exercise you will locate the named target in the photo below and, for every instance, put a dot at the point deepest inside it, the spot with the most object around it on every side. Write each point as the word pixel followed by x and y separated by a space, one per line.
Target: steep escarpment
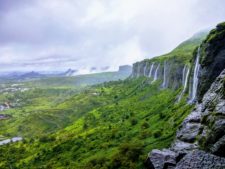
pixel 168 71
pixel 202 129
pixel 212 58
pixel 200 140
pixel 212 132
pixel 171 69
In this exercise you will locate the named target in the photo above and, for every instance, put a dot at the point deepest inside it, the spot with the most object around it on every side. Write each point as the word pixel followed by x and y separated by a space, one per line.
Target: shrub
pixel 145 134
pixel 162 115
pixel 127 156
pixel 134 121
pixel 97 162
pixel 45 139
pixel 145 125
pixel 157 134
pixel 85 126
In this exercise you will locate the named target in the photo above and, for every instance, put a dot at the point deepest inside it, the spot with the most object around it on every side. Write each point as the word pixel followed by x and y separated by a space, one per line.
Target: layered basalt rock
pixel 203 129
pixel 201 160
pixel 212 58
pixel 169 72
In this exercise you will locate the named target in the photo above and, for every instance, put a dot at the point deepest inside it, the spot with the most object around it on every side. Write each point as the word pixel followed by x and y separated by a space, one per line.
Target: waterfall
pixel 138 70
pixel 185 75
pixel 195 78
pixel 145 67
pixel 164 75
pixel 151 69
pixel 156 73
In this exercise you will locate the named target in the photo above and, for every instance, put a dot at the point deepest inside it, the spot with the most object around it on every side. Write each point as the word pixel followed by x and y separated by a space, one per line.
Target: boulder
pixel 201 160
pixel 161 159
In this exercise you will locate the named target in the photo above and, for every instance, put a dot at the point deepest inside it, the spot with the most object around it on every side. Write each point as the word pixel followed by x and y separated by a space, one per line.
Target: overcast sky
pixel 80 34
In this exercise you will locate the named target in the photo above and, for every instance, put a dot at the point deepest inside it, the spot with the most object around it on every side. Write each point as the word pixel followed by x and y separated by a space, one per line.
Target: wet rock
pixel 212 59
pixel 190 127
pixel 164 159
pixel 205 127
pixel 213 118
pixel 219 147
pixel 201 160
pixel 183 147
pixel 220 107
pixel 189 132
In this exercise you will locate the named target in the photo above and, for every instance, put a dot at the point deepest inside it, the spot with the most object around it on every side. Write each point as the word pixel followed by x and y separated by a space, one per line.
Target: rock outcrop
pixel 173 69
pixel 212 134
pixel 169 71
pixel 203 129
pixel 212 58
pixel 125 69
pixel 201 160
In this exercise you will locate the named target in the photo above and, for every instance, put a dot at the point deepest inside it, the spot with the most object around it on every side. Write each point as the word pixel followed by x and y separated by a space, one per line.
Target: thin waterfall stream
pixel 151 69
pixel 156 73
pixel 186 72
pixel 164 76
pixel 195 78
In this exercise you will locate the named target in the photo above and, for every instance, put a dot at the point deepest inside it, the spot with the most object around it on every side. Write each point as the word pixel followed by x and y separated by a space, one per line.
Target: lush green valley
pixel 115 125
pixel 67 124
pixel 112 84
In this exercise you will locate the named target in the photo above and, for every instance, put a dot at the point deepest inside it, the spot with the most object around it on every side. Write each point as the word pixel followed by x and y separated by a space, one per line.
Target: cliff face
pixel 193 68
pixel 200 141
pixel 203 129
pixel 172 69
pixel 169 71
pixel 212 58
pixel 125 69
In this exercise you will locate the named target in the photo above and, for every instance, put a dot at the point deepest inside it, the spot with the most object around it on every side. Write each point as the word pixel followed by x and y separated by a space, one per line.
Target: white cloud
pixel 85 34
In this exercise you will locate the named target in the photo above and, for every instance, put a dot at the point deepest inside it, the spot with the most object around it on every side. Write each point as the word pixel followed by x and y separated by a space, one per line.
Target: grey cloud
pixel 98 33
pixel 8 5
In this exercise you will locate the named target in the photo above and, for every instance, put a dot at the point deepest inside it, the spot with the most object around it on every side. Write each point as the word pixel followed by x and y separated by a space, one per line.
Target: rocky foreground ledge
pixel 194 160
pixel 200 142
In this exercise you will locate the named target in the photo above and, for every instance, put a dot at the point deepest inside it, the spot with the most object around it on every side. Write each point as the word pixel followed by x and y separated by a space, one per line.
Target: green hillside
pixel 79 80
pixel 108 125
pixel 118 123
pixel 184 51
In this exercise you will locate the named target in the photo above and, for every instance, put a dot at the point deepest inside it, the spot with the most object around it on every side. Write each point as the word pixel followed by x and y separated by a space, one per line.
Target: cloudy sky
pixel 80 34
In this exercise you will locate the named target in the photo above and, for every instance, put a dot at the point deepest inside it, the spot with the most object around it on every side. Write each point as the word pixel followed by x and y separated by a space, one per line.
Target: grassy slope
pixel 39 109
pixel 114 125
pixel 184 51
pixel 78 81
pixel 126 120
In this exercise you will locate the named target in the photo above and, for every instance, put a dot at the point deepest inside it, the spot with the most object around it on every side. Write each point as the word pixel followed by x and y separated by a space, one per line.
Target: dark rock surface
pixel 125 68
pixel 212 58
pixel 173 71
pixel 203 129
pixel 201 160
pixel 212 134
pixel 161 159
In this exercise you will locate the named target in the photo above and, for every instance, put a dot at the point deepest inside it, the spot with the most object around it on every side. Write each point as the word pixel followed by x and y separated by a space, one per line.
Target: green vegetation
pixel 77 81
pixel 67 124
pixel 183 53
pixel 115 125
pixel 214 38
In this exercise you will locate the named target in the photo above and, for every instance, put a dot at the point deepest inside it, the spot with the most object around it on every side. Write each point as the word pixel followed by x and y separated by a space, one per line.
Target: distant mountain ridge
pixel 68 73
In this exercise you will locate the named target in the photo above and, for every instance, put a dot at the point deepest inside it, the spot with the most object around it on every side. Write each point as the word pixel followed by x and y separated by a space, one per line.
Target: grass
pixel 105 126
pixel 115 128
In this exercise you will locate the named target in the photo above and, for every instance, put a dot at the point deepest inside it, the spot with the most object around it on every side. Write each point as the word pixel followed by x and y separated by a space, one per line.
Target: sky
pixel 55 35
